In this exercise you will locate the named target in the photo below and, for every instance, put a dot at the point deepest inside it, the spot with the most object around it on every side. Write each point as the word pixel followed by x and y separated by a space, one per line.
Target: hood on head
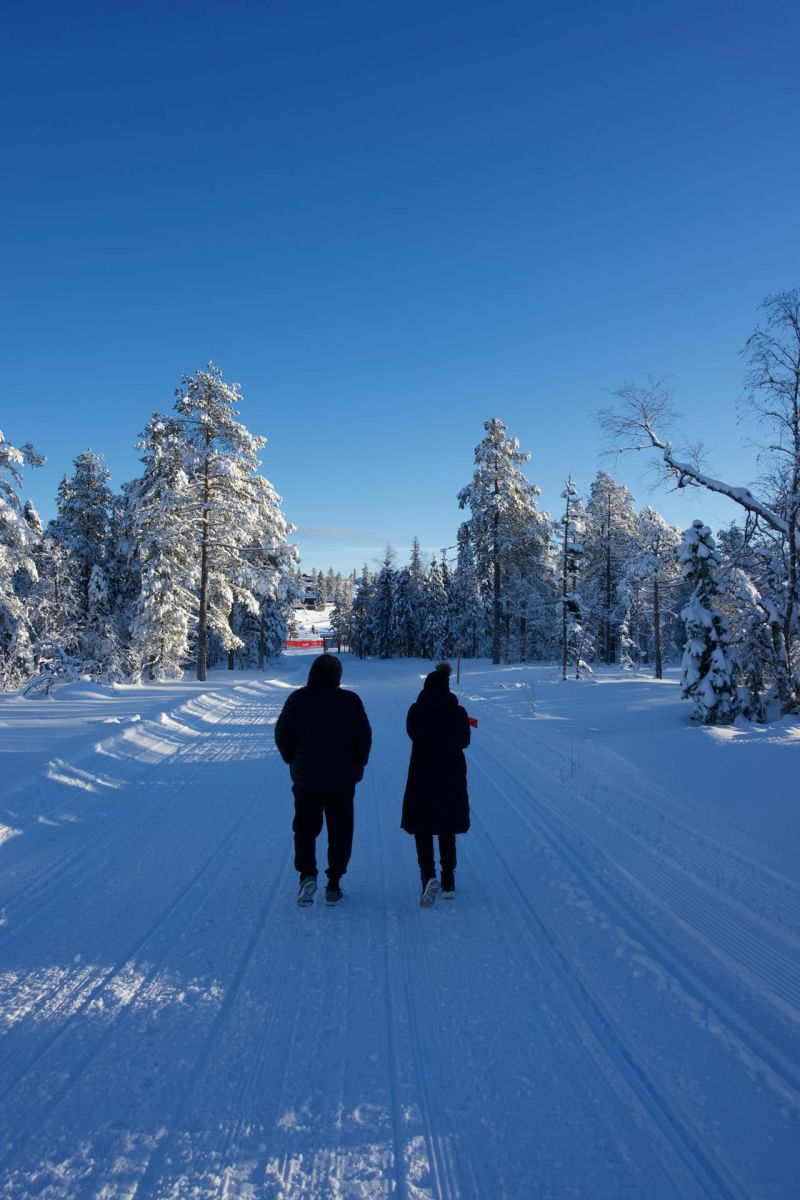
pixel 326 671
pixel 437 681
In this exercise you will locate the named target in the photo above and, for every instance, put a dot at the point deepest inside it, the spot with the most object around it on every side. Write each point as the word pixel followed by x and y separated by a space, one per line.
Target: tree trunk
pixel 262 642
pixel 496 580
pixel 230 652
pixel 564 572
pixel 202 616
pixel 657 630
pixel 608 639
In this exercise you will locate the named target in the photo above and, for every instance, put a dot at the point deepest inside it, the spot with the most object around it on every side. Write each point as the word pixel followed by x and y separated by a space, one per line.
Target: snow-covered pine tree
pixel 383 607
pixel 756 607
pixel 436 627
pixel 467 610
pixel 706 671
pixel 54 606
pixel 264 577
pixel 32 519
pixel 342 612
pixel 362 641
pixel 404 615
pixel 754 631
pixel 162 553
pixel 122 573
pixel 82 525
pixel 609 539
pixel 99 644
pixel 627 643
pixel 656 566
pixel 503 507
pixel 410 605
pixel 318 587
pixel 575 644
pixel 220 458
pixel 18 538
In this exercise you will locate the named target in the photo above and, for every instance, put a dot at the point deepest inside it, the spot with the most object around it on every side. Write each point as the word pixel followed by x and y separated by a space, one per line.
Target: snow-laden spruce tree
pixel 706 670
pixel 436 631
pixel 342 611
pixel 409 605
pixel 163 545
pixel 84 514
pixel 122 573
pixel 627 595
pixel 362 637
pixel 655 567
pixel 755 634
pixel 467 609
pixel 100 644
pixel 503 509
pixel 576 647
pixel 55 606
pixel 18 539
pixel 263 578
pixel 609 540
pixel 232 515
pixel 383 607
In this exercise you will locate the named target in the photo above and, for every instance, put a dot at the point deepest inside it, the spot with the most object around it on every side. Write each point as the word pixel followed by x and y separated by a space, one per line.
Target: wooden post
pixel 459 649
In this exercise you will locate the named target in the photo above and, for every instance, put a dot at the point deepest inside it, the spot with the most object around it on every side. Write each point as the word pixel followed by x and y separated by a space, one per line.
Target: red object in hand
pixel 473 722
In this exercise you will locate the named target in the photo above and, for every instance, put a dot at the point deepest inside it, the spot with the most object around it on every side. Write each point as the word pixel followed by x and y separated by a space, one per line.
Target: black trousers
pixel 425 857
pixel 310 807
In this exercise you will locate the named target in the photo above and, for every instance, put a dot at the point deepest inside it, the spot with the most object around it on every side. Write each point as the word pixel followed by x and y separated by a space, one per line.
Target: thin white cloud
pixel 335 533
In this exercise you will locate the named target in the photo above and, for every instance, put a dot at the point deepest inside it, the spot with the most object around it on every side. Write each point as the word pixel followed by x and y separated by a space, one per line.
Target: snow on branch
pixel 637 425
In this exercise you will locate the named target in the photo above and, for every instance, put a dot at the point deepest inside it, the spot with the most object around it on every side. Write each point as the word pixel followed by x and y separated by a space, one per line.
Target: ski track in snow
pixel 609 1008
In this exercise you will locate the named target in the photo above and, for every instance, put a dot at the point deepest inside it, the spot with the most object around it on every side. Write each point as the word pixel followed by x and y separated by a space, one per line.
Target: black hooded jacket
pixel 323 732
pixel 436 799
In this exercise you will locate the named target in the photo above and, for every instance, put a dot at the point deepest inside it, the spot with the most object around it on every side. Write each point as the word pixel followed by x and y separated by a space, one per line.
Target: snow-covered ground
pixel 609 1008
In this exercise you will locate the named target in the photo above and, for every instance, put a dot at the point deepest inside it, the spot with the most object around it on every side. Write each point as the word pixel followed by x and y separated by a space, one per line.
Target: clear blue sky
pixel 390 221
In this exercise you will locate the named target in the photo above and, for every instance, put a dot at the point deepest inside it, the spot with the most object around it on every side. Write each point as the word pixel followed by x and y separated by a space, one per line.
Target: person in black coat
pixel 435 802
pixel 325 737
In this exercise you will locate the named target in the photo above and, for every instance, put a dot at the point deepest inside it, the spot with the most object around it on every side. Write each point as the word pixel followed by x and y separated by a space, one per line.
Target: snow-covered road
pixel 609 1008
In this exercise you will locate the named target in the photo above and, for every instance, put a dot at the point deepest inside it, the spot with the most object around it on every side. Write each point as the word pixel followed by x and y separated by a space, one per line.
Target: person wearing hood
pixel 325 737
pixel 435 802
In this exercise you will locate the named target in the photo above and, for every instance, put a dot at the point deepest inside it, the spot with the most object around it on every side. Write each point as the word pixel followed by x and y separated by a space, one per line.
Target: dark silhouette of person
pixel 436 803
pixel 325 737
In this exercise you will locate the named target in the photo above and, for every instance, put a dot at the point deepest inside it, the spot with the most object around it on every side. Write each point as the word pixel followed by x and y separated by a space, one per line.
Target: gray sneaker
pixel 429 893
pixel 333 896
pixel 308 887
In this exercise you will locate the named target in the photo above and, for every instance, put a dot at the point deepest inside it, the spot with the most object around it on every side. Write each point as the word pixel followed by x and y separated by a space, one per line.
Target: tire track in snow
pixel 152 1182
pixel 771 965
pixel 682 1156
pixel 203 876
pixel 424 1059
pixel 763 894
pixel 72 878
pixel 445 1165
pixel 59 874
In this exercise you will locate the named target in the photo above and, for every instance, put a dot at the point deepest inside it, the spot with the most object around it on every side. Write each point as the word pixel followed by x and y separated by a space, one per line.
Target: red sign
pixel 300 645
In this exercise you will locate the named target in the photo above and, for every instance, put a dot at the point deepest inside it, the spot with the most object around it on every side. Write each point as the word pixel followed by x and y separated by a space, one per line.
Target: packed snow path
pixel 609 1008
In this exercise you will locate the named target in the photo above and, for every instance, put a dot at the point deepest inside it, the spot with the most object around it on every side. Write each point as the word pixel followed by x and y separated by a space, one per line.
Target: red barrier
pixel 473 722
pixel 295 644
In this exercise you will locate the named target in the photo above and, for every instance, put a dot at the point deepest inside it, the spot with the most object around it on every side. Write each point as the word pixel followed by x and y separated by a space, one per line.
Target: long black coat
pixel 436 799
pixel 323 732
